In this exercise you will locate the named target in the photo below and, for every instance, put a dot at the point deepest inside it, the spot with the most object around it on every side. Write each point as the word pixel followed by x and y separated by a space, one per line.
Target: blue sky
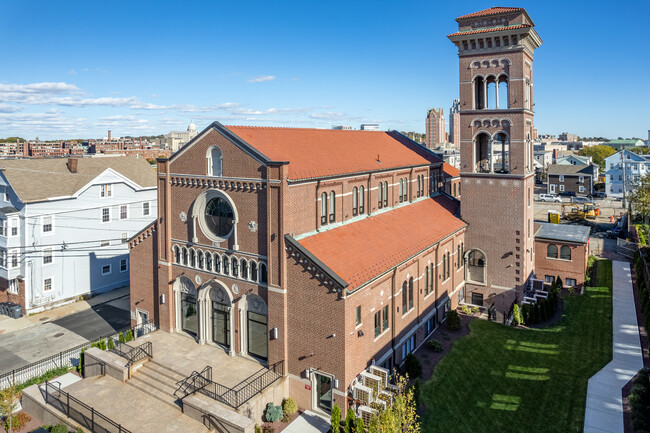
pixel 79 68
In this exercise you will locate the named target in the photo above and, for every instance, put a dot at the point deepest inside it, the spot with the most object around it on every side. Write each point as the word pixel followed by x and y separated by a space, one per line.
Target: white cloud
pixel 262 78
pixel 38 88
pixel 6 108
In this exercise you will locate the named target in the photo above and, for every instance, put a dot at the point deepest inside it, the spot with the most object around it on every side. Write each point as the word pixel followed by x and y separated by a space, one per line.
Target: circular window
pixel 219 217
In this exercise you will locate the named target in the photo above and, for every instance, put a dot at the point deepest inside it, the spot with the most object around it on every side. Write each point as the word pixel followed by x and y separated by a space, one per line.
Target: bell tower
pixel 495 51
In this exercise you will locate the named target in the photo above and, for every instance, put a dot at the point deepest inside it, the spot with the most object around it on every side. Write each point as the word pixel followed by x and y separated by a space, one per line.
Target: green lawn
pixel 503 379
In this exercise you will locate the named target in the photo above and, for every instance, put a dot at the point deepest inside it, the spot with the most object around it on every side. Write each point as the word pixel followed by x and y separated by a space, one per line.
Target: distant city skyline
pixel 146 68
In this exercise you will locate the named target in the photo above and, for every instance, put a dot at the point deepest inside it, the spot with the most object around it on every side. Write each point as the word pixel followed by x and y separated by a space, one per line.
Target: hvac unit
pixel 385 396
pixel 362 393
pixel 378 404
pixel 537 284
pixel 381 372
pixel 366 413
pixel 372 381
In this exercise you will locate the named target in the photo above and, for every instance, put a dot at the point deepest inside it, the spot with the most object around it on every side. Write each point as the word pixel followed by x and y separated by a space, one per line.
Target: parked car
pixel 568 194
pixel 580 200
pixel 599 194
pixel 549 197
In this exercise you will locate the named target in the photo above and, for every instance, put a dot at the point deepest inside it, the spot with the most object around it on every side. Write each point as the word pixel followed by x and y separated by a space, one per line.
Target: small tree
pixel 401 415
pixel 453 320
pixel 111 344
pixel 412 366
pixel 515 315
pixel 129 336
pixel 360 428
pixel 558 284
pixel 9 399
pixel 336 418
pixel 121 338
pixel 349 421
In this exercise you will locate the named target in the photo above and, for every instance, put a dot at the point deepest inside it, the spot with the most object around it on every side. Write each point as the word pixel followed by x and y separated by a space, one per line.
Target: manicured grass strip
pixel 503 379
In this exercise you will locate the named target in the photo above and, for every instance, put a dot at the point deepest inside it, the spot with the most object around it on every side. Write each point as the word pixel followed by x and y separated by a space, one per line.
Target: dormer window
pixel 215 160
pixel 106 190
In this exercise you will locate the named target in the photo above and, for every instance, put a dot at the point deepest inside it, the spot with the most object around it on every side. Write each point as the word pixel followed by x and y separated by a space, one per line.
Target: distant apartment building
pixel 65 224
pixel 177 139
pixel 454 123
pixel 369 127
pixel 342 127
pixel 565 136
pixel 620 144
pixel 544 158
pixel 623 170
pixel 435 127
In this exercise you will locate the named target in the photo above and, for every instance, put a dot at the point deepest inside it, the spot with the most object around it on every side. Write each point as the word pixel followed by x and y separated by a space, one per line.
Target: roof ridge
pixel 491 11
pixel 297 128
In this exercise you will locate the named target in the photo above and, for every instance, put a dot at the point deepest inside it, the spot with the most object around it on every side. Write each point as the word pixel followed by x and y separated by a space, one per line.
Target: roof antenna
pixel 378 160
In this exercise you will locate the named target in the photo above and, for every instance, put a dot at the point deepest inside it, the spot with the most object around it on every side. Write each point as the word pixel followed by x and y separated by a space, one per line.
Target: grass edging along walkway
pixel 504 379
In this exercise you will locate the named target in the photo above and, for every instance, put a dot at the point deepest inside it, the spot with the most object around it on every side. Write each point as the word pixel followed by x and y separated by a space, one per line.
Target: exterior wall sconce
pixel 307 373
pixel 274 333
pixel 162 298
pixel 336 383
pixel 360 333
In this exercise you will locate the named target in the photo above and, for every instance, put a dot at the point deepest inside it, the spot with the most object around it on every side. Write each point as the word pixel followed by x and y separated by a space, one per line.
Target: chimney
pixel 109 135
pixel 72 164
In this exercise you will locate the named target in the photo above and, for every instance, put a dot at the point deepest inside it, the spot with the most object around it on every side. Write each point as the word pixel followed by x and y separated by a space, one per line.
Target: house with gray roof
pixel 65 223
pixel 568 177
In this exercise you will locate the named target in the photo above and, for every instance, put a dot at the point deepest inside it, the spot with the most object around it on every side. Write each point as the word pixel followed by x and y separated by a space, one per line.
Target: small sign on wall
pixel 308 387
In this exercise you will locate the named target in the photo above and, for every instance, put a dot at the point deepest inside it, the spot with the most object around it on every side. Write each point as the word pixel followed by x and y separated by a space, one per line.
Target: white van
pixel 549 197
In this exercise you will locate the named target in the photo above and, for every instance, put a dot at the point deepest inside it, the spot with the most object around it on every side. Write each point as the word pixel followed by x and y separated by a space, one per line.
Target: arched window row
pixel 489 42
pixel 491 92
pixel 222 264
pixel 327 207
pixel 564 250
pixel 403 189
pixel 420 186
pixel 494 122
pixel 407 296
pixel 383 195
pixel 358 200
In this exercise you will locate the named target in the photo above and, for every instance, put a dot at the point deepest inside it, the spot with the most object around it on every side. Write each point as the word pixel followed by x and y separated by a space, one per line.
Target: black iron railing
pixel 236 396
pixel 134 354
pixel 66 358
pixel 79 411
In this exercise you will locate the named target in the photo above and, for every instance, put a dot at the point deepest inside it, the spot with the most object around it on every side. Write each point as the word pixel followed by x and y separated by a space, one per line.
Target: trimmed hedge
pixel 639 400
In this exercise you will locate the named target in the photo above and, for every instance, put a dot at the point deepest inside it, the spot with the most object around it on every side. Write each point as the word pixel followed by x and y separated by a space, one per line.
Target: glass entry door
pixel 257 341
pixel 220 324
pixel 189 319
pixel 324 392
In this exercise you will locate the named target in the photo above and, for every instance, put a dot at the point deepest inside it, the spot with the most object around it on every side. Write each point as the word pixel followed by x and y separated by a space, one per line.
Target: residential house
pixel 65 224
pixel 578 160
pixel 623 169
pixel 576 178
pixel 562 250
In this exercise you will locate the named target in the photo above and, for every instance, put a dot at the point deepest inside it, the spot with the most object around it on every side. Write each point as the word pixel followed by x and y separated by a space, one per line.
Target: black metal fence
pixel 66 358
pixel 240 393
pixel 79 411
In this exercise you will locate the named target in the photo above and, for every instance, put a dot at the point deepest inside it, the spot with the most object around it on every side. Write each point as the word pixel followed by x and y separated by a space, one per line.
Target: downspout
pixel 392 318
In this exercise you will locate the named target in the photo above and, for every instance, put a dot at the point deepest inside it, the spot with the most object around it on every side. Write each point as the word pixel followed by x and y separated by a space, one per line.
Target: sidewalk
pixel 604 408
pixel 8 324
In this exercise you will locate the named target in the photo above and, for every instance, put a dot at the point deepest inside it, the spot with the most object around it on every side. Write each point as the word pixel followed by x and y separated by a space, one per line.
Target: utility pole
pixel 624 178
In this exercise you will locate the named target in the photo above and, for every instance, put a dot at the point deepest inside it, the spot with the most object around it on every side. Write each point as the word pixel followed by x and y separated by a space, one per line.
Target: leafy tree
pixel 360 428
pixel 336 418
pixel 9 399
pixel 598 153
pixel 516 315
pixel 640 196
pixel 400 416
pixel 350 419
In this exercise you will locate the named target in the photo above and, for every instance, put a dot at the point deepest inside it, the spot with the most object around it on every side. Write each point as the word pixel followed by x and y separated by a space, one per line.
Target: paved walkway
pixel 604 409
pixel 8 324
pixel 308 422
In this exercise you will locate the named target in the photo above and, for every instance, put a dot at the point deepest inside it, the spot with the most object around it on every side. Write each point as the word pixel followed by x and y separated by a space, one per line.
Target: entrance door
pixel 143 321
pixel 257 340
pixel 189 320
pixel 324 392
pixel 551 189
pixel 220 324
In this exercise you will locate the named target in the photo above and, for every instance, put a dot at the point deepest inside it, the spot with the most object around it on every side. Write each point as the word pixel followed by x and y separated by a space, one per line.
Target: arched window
pixel 381 195
pixel 244 269
pixel 422 185
pixel 235 268
pixel 217 263
pixel 184 256
pixel 432 278
pixel 565 252
pixel 215 159
pixel 401 190
pixel 332 206
pixel 410 293
pixel 476 264
pixel 551 251
pixel 192 258
pixel 208 262
pixel 458 257
pixel 263 274
pixel 355 201
pixel 406 189
pixel 362 199
pixel 201 260
pixel 426 280
pixel 253 270
pixel 419 186
pixel 225 265
pixel 385 193
pixel 444 267
pixel 454 190
pixel 404 298
pixel 323 208
pixel 448 265
pixel 177 254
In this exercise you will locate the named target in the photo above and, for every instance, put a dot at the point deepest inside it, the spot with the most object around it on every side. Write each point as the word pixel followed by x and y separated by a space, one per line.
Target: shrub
pixel 18 421
pixel 412 366
pixel 558 283
pixel 350 419
pixel 416 393
pixel 80 366
pixel 273 413
pixel 453 320
pixel 59 428
pixel 335 420
pixel 360 428
pixel 101 344
pixel 268 429
pixel 289 406
pixel 436 346
pixel 465 309
pixel 258 429
pixel 129 336
pixel 78 430
pixel 476 310
pixel 516 316
pixel 48 375
pixel 121 338
pixel 111 344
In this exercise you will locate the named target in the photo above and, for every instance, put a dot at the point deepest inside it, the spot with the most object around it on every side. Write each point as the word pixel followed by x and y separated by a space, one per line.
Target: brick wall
pixel 143 256
pixel 574 268
pixel 6 296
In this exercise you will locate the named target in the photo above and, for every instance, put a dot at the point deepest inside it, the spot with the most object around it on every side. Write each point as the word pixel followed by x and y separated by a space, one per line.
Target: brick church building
pixel 335 250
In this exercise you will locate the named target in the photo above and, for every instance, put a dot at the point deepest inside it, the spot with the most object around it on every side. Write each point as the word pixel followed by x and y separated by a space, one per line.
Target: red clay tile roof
pixel 450 170
pixel 493 29
pixel 490 11
pixel 363 250
pixel 327 152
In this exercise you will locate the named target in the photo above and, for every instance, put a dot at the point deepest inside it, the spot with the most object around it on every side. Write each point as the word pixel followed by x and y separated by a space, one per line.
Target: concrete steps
pixel 157 381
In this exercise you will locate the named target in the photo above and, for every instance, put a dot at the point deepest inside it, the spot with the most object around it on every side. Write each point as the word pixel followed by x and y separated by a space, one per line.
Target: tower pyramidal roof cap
pixel 491 11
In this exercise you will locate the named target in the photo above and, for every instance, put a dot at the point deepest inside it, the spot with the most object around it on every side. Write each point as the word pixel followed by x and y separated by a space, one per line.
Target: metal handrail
pixel 145 350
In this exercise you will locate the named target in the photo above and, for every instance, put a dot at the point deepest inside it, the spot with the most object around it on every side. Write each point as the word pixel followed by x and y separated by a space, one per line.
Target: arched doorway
pixel 254 321
pixel 185 296
pixel 475 267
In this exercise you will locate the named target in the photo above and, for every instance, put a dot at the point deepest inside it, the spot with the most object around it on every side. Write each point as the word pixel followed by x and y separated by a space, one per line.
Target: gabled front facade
pixel 622 170
pixel 326 250
pixel 571 178
pixel 69 238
